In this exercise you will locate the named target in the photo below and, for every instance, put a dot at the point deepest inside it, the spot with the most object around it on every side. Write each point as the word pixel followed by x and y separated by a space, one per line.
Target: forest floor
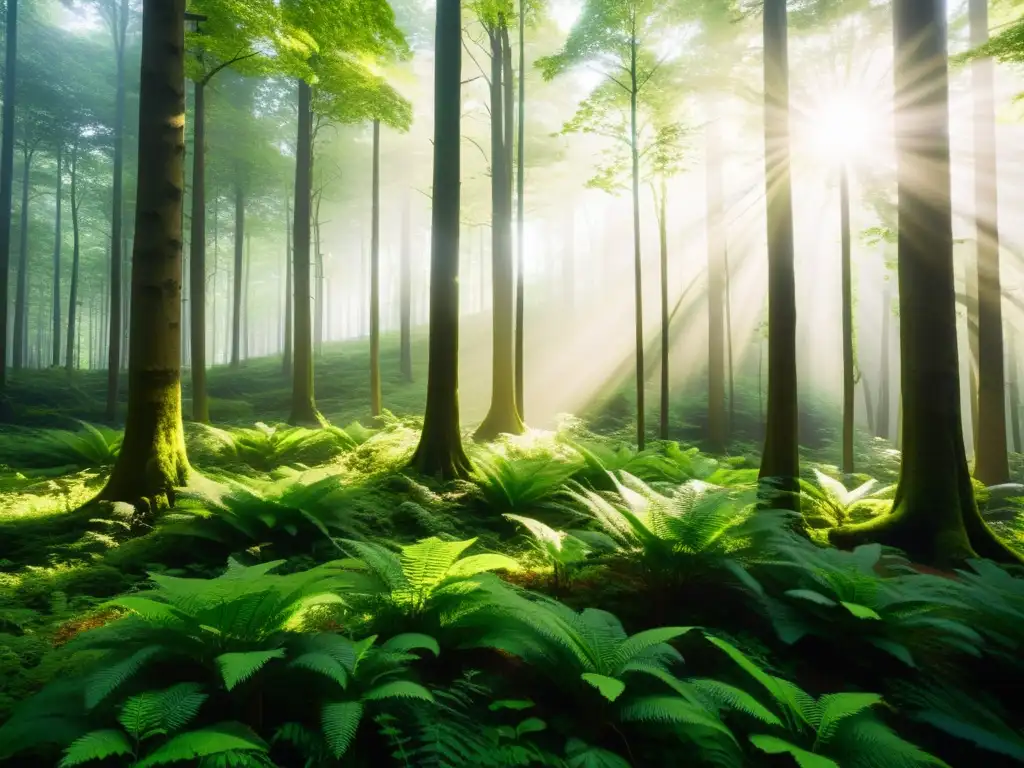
pixel 524 582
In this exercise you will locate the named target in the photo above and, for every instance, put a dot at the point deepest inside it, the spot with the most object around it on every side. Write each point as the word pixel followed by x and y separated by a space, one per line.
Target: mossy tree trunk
pixel 849 363
pixel 717 437
pixel 503 416
pixel 152 461
pixel 935 518
pixel 781 458
pixel 991 465
pixel 197 259
pixel 1014 395
pixel 71 357
pixel 303 410
pixel 7 185
pixel 375 393
pixel 20 344
pixel 520 158
pixel 440 450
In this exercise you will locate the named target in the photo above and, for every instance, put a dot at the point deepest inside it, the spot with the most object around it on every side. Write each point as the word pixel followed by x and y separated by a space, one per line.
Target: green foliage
pixel 827 503
pixel 694 532
pixel 522 485
pixel 266 449
pixel 832 730
pixel 87 448
pixel 559 550
pixel 840 595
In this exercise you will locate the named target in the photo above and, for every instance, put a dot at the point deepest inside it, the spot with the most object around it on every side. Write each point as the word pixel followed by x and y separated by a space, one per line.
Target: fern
pixel 236 668
pixel 96 745
pixel 204 743
pixel 340 721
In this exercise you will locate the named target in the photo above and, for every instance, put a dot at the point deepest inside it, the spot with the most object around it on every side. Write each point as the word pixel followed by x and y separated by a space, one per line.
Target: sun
pixel 845 126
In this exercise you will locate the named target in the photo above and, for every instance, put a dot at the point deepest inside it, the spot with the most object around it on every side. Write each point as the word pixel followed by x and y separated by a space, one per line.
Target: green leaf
pixel 236 668
pixel 105 680
pixel 609 687
pixel 583 755
pixel 811 596
pixel 673 709
pixel 836 707
pixel 530 725
pixel 412 641
pixel 899 650
pixel 642 641
pixel 215 740
pixel 96 745
pixel 163 711
pixel 322 664
pixel 474 564
pixel 516 704
pixel 775 746
pixel 399 689
pixel 861 611
pixel 340 721
pixel 735 699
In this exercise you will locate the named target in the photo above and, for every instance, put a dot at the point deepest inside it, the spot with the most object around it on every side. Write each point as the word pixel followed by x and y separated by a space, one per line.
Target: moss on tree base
pixel 499 422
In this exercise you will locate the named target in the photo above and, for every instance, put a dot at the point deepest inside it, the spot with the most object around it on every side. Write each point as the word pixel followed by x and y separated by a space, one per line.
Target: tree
pixel 331 51
pixel 991 464
pixel 405 290
pixel 503 415
pixel 621 35
pixel 76 252
pixel 780 460
pixel 440 450
pixel 152 461
pixel 7 183
pixel 230 36
pixel 375 392
pixel 935 518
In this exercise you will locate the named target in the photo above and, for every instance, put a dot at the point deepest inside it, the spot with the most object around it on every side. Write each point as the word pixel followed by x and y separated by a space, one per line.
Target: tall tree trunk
pixel 197 273
pixel 72 357
pixel 728 337
pixel 375 393
pixel 303 410
pixel 21 297
pixel 935 518
pixel 236 296
pixel 289 260
pixel 116 321
pixel 318 305
pixel 849 364
pixel 717 432
pixel 520 212
pixel 638 291
pixel 152 461
pixel 971 291
pixel 781 458
pixel 57 234
pixel 405 290
pixel 246 290
pixel 1014 377
pixel 991 464
pixel 7 187
pixel 440 450
pixel 885 378
pixel 215 328
pixel 661 199
pixel 503 416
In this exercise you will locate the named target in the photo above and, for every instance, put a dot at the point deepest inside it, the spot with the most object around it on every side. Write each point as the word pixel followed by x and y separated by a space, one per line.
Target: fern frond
pixel 105 680
pixel 236 668
pixel 340 721
pixel 96 745
pixel 205 742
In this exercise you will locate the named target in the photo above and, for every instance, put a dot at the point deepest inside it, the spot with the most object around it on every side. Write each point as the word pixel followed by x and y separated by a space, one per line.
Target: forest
pixel 487 383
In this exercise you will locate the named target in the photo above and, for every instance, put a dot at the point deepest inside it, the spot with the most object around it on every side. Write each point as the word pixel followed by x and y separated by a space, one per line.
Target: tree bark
pixel 638 291
pixel 236 295
pixel 503 416
pixel 1014 377
pixel 303 410
pixel 781 458
pixel 849 364
pixel 318 275
pixel 55 314
pixel 662 201
pixel 289 260
pixel 7 187
pixel 405 290
pixel 935 518
pixel 991 465
pixel 728 337
pixel 152 461
pixel 197 274
pixel 717 437
pixel 71 358
pixel 246 291
pixel 520 213
pixel 885 378
pixel 440 450
pixel 116 322
pixel 971 305
pixel 375 392
pixel 21 297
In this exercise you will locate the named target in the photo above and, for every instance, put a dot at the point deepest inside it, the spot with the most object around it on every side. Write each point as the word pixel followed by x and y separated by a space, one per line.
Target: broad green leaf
pixel 811 596
pixel 836 707
pixel 96 745
pixel 236 668
pixel 530 725
pixel 215 740
pixel 399 689
pixel 776 746
pixel 609 687
pixel 861 611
